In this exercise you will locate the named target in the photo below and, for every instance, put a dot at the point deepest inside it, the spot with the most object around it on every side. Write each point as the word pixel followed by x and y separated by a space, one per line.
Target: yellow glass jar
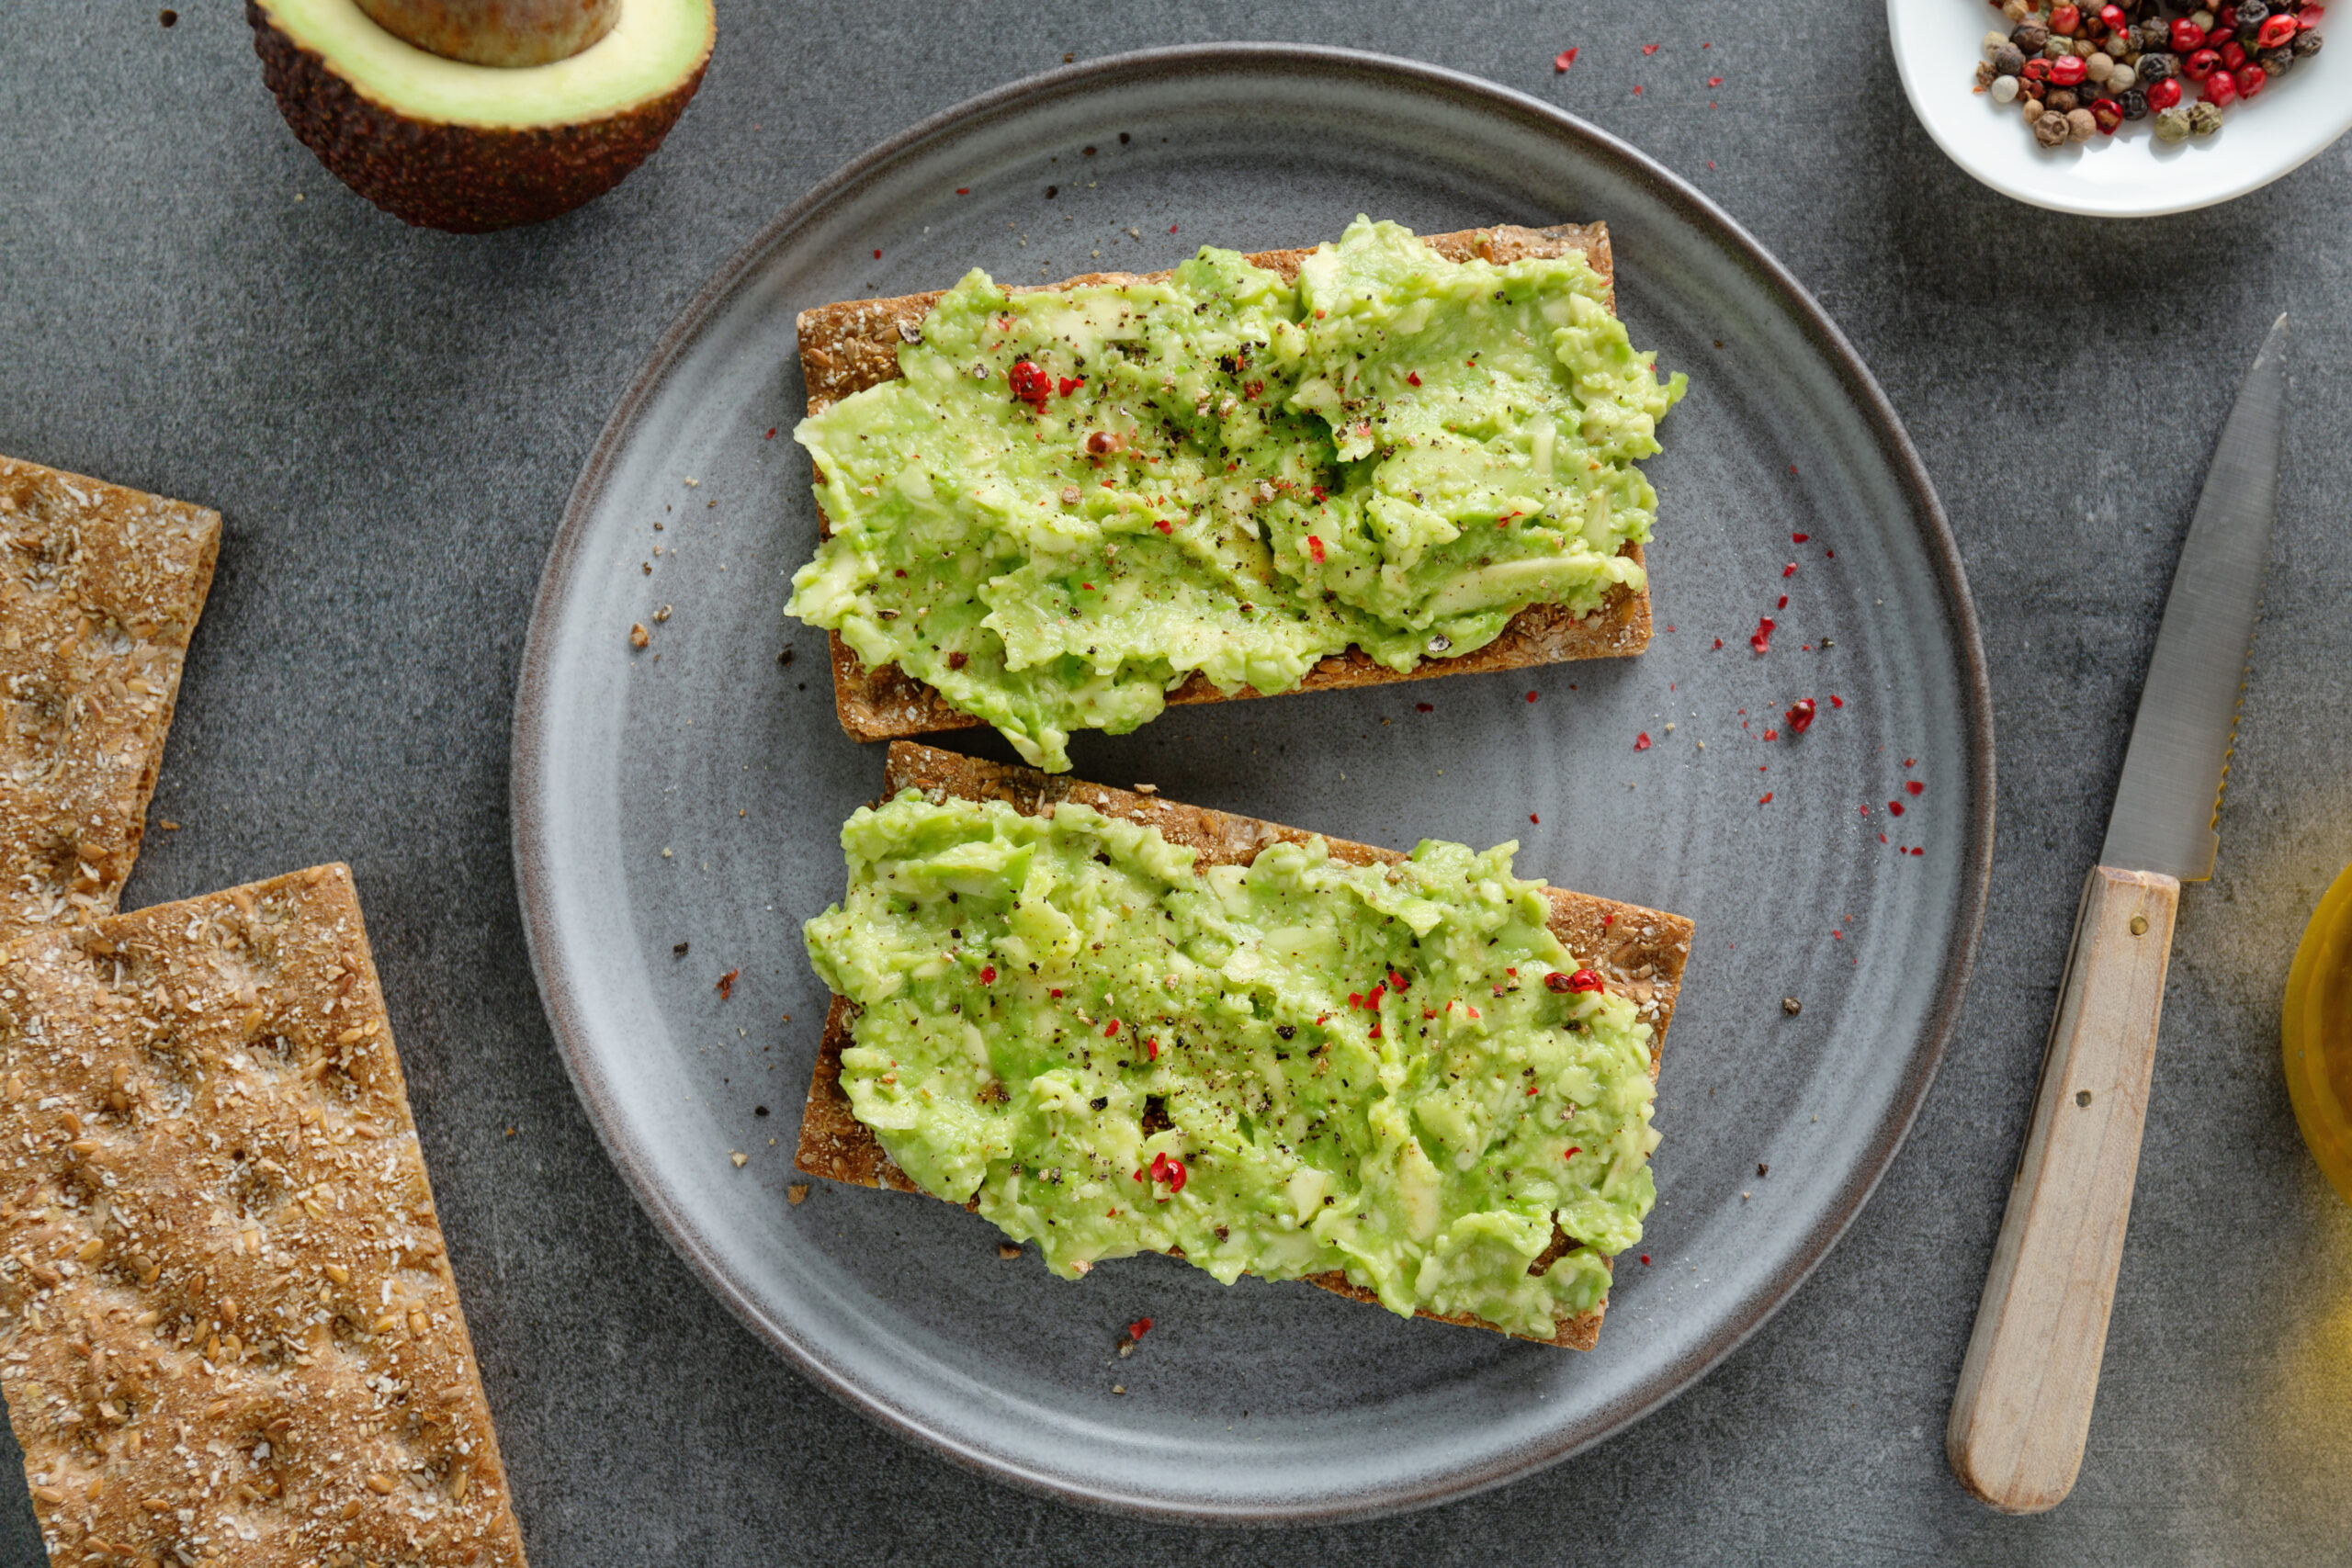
pixel 2316 1031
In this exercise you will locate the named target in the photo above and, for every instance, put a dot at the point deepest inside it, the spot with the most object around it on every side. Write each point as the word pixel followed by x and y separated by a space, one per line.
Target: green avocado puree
pixel 1284 1068
pixel 1072 499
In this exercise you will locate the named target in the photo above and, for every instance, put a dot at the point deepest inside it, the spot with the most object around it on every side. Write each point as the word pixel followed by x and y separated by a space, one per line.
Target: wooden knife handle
pixel 2023 1408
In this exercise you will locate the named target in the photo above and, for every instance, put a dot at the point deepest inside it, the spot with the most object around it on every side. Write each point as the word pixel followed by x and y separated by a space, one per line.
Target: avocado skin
pixel 464 179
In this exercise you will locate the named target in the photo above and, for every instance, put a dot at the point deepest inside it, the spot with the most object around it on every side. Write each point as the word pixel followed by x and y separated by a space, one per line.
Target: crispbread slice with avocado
pixel 851 346
pixel 1634 952
pixel 232 1331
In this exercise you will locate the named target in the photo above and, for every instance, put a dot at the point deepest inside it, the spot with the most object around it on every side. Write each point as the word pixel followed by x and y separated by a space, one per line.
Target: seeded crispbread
pixel 99 588
pixel 1638 952
pixel 847 347
pixel 229 1324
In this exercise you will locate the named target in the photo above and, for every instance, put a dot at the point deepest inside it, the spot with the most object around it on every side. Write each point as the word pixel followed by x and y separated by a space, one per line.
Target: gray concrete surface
pixel 390 421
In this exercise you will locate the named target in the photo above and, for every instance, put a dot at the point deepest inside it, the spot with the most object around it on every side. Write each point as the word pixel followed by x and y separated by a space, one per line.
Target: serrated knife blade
pixel 2170 795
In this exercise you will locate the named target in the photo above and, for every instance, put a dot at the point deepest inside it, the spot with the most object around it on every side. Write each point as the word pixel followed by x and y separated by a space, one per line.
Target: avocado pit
pixel 497 32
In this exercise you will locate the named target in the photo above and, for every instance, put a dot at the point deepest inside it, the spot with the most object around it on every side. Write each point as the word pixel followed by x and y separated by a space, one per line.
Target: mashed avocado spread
pixel 1285 1068
pixel 1072 499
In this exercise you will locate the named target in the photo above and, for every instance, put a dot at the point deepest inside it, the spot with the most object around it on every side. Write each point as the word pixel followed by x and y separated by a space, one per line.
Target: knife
pixel 2022 1409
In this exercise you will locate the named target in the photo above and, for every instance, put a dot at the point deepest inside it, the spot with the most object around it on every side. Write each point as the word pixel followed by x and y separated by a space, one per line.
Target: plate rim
pixel 530 779
pixel 1974 168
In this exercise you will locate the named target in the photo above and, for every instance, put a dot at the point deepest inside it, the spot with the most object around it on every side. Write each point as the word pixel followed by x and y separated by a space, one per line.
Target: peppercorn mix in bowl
pixel 2116 111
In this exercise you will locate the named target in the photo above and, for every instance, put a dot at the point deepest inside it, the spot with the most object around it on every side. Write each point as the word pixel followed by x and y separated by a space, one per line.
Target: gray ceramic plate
pixel 686 799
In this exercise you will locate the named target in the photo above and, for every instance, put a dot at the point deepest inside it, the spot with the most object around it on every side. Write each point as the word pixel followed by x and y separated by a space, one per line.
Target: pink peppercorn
pixel 2069 72
pixel 2187 38
pixel 2202 64
pixel 2251 80
pixel 2221 90
pixel 2164 94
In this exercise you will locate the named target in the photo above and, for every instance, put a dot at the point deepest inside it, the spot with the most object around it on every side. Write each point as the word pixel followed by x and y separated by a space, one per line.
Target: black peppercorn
pixel 2155 33
pixel 2155 65
pixel 2060 101
pixel 2305 46
pixel 2251 13
pixel 2030 38
pixel 2135 104
pixel 2007 59
pixel 2277 63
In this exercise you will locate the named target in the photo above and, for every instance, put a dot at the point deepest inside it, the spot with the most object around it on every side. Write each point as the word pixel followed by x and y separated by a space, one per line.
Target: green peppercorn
pixel 2172 124
pixel 2204 119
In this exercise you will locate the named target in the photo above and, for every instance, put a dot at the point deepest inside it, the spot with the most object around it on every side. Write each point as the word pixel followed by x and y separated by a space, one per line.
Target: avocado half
pixel 446 145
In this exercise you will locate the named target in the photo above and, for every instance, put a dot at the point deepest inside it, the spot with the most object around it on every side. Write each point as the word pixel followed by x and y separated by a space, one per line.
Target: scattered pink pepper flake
pixel 1561 61
pixel 1715 80
pixel 1836 701
pixel 1790 569
pixel 1641 741
pixel 1425 707
pixel 1894 809
pixel 1766 800
pixel 1762 641
pixel 1915 786
pixel 1532 695
pixel 1649 49
pixel 1799 538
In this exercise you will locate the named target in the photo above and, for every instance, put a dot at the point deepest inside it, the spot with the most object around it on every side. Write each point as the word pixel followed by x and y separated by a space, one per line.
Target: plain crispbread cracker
pixel 1639 953
pixel 229 1322
pixel 847 347
pixel 99 589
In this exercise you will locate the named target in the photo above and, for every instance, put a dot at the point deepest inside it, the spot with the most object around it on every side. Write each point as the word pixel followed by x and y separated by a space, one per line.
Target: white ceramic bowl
pixel 2130 174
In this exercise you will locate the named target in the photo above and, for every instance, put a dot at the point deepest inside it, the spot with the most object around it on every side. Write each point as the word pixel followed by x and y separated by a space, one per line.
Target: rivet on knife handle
pixel 2023 1408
